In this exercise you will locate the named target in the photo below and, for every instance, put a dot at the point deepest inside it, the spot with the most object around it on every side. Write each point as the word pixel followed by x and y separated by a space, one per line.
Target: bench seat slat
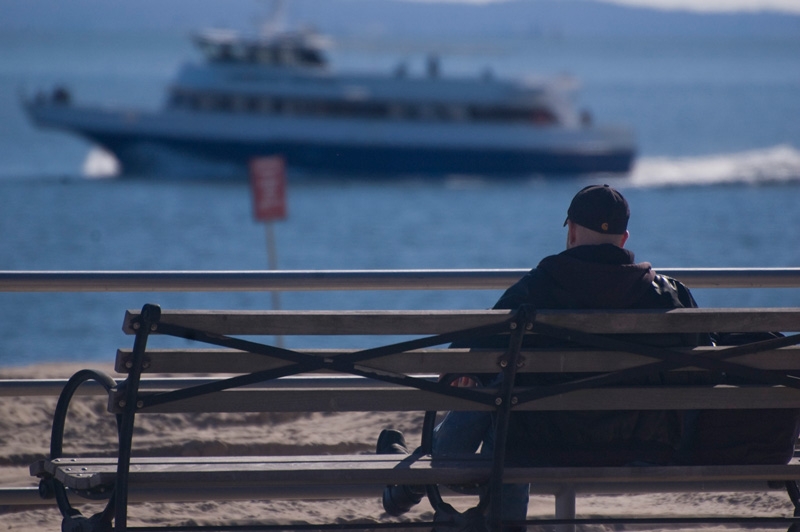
pixel 92 473
pixel 395 399
pixel 296 471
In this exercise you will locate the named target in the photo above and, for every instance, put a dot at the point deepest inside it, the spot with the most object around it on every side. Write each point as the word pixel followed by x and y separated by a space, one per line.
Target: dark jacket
pixel 585 277
pixel 603 276
pixel 607 277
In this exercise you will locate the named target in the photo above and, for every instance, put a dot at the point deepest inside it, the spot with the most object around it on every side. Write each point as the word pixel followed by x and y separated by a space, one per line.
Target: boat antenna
pixel 276 20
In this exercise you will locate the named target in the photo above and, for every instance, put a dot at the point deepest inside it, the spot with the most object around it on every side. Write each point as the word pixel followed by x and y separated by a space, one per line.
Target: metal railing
pixel 270 281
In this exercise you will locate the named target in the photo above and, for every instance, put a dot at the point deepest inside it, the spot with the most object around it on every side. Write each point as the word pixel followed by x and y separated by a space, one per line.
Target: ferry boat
pixel 275 94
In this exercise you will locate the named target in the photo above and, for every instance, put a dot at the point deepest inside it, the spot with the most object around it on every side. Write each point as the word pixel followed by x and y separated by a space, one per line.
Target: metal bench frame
pixel 126 399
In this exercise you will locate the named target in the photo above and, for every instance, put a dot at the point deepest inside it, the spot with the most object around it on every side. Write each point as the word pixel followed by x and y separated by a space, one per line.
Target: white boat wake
pixel 100 164
pixel 778 164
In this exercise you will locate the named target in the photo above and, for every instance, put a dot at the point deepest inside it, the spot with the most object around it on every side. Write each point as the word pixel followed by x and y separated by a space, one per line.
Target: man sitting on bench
pixel 595 271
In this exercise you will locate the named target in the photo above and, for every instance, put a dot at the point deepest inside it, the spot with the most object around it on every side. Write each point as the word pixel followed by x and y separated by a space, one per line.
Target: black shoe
pixel 391 442
pixel 397 499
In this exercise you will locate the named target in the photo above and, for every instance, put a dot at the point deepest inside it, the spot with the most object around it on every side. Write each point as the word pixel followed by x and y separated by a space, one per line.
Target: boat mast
pixel 276 20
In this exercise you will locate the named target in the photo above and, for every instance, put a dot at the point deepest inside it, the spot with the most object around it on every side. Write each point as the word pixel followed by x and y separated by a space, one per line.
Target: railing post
pixel 565 508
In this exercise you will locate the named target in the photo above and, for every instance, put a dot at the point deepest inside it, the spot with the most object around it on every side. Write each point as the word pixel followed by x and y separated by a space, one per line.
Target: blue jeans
pixel 463 432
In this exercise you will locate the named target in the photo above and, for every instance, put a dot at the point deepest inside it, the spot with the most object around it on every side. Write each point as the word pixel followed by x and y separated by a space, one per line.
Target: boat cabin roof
pixel 302 48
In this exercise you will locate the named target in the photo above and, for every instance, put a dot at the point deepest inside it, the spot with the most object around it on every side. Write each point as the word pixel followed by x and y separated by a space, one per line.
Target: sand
pixel 25 424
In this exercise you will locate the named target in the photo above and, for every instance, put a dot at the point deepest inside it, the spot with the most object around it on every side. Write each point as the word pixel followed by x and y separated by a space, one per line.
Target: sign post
pixel 268 184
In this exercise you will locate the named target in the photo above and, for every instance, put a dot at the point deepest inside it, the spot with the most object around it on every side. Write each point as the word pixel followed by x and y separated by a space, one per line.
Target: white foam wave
pixel 100 164
pixel 779 164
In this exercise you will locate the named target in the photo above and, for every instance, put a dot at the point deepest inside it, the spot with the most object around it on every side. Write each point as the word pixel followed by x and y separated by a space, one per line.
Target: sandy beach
pixel 25 425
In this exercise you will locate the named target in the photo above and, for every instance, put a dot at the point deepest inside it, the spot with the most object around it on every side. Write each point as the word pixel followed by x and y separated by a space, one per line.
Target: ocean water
pixel 716 184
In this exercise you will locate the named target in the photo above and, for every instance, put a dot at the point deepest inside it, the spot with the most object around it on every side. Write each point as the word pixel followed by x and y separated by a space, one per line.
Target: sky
pixel 710 6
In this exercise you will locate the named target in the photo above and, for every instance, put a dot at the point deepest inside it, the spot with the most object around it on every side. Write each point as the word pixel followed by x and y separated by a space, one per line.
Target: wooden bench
pixel 400 376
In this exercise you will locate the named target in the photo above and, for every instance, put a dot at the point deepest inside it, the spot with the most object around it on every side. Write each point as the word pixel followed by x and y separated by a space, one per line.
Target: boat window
pixel 543 117
pixel 224 103
pixel 286 56
pixel 225 53
pixel 458 113
pixel 363 109
pixel 395 111
pixel 443 113
pixel 240 104
pixel 308 56
pixel 261 55
pixel 206 102
pixel 540 116
pixel 265 105
pixel 251 105
pixel 412 112
pixel 265 56
pixel 250 54
pixel 178 99
pixel 188 101
pixel 427 112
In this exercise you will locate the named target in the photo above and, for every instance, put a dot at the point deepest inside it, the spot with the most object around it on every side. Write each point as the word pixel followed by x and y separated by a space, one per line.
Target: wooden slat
pixel 384 399
pixel 653 474
pixel 231 361
pixel 304 323
pixel 411 322
pixel 440 360
pixel 343 470
pixel 682 320
pixel 281 471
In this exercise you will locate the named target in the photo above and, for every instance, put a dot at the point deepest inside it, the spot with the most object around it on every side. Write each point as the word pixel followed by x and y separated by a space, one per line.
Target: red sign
pixel 268 181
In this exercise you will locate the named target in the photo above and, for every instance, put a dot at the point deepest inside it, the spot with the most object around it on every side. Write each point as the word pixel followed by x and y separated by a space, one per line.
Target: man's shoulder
pixel 674 290
pixel 524 291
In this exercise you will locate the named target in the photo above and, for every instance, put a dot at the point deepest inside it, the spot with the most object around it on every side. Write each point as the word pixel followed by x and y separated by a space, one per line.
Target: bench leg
pixel 147 322
pixel 565 508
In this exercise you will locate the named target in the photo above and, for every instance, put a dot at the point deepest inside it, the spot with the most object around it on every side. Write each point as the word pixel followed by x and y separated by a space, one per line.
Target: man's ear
pixel 571 234
pixel 623 239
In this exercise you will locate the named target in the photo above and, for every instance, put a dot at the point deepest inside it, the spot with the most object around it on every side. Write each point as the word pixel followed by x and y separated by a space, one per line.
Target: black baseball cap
pixel 600 208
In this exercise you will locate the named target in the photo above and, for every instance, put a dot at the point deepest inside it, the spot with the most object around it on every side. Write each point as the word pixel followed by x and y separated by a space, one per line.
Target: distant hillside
pixel 530 17
pixel 396 18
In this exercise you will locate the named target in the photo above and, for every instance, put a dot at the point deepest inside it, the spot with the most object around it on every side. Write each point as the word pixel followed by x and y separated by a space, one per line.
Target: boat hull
pixel 219 145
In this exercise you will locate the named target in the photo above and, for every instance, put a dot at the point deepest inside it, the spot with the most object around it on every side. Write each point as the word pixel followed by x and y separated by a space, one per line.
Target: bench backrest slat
pixel 695 320
pixel 439 360
pixel 326 323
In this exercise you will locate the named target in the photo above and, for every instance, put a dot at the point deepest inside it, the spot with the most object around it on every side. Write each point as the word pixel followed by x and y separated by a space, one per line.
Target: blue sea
pixel 716 183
